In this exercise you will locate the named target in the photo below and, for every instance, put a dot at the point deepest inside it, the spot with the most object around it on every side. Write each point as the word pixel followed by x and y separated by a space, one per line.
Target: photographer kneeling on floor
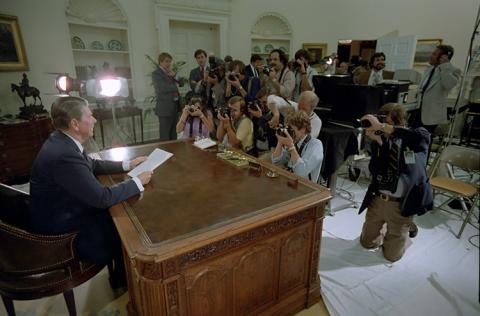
pixel 399 187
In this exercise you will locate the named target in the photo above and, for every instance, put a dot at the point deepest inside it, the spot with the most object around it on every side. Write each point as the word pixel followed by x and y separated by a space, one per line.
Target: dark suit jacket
pixel 249 71
pixel 66 196
pixel 418 198
pixel 364 76
pixel 166 91
pixel 195 77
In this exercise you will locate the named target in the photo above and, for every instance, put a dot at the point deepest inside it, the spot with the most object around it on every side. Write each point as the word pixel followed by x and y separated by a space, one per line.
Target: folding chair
pixel 443 179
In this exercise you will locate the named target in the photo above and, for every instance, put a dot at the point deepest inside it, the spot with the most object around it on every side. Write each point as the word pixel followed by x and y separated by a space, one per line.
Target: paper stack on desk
pixel 204 143
pixel 155 159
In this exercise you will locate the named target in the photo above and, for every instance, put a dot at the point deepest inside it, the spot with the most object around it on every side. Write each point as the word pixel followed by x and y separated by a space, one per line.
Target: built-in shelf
pixel 270 31
pixel 99 51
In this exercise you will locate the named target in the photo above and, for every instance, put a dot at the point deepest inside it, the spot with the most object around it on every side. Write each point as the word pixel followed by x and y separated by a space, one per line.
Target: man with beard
pixel 281 81
pixel 376 75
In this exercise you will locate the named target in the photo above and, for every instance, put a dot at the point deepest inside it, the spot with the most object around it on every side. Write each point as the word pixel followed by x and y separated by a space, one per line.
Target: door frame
pixel 165 14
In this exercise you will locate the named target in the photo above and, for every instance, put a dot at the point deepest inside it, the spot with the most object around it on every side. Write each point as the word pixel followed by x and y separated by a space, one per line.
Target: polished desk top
pixel 194 191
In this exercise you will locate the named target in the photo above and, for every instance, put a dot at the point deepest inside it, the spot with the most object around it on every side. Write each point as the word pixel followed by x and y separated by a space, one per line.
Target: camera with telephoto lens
pixel 366 123
pixel 214 67
pixel 281 130
pixel 267 69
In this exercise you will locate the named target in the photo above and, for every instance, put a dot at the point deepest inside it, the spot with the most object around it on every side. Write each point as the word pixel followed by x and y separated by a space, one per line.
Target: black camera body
pixel 233 77
pixel 224 111
pixel 192 108
pixel 252 104
pixel 281 130
pixel 214 69
pixel 267 69
pixel 296 65
pixel 366 123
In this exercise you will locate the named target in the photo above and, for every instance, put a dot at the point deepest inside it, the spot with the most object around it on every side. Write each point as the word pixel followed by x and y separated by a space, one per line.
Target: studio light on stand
pixel 110 88
pixel 66 84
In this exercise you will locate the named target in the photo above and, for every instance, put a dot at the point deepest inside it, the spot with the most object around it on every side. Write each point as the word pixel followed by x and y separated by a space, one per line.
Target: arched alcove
pixel 271 31
pixel 95 11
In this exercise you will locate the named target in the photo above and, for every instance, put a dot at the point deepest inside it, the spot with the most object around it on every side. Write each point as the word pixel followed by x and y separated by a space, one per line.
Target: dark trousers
pixel 98 241
pixel 167 127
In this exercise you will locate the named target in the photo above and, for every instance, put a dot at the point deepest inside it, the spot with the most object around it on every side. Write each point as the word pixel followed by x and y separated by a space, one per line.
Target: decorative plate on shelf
pixel 77 43
pixel 257 49
pixel 115 45
pixel 283 49
pixel 96 45
pixel 268 48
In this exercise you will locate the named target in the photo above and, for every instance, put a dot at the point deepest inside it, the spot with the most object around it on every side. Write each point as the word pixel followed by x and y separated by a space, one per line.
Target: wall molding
pixel 166 13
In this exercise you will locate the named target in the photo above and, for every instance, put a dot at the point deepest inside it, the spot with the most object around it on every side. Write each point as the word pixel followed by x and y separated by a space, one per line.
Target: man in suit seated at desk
pixel 66 196
pixel 377 73
pixel 297 149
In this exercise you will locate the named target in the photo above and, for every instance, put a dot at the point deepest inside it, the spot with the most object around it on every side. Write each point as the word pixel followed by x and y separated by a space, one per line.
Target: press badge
pixel 409 156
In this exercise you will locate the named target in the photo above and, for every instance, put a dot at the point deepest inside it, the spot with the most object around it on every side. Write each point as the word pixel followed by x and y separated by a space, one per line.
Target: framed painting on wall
pixel 424 49
pixel 316 51
pixel 12 51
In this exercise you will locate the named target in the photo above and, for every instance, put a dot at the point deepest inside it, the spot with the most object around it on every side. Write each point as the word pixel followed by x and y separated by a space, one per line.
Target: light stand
pixel 447 141
pixel 462 81
pixel 109 88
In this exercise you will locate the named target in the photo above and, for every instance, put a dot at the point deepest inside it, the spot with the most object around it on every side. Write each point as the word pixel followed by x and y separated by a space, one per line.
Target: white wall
pixel 47 39
pixel 47 45
pixel 326 21
pixel 143 40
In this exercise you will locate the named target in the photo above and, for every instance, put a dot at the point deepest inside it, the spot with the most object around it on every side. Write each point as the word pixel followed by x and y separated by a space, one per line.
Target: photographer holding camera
pixel 307 101
pixel 238 84
pixel 303 73
pixel 264 135
pixel 297 149
pixel 212 88
pixel 196 120
pixel 235 128
pixel 399 187
pixel 281 80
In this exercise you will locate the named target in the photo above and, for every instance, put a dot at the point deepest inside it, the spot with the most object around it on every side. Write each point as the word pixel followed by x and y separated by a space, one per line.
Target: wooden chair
pixel 443 180
pixel 33 266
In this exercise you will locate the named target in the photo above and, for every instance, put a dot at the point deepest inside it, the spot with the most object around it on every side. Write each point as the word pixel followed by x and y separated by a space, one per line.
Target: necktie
pixel 393 157
pixel 202 72
pixel 428 80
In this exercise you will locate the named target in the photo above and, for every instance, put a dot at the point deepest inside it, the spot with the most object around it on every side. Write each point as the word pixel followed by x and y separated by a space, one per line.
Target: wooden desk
pixel 209 238
pixel 120 112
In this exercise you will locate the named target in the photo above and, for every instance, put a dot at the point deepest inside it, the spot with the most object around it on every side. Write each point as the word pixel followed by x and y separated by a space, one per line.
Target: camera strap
pixel 300 151
pixel 199 126
pixel 304 143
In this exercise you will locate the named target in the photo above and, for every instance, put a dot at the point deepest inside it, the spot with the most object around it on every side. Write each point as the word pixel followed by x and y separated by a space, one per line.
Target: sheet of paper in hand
pixel 155 159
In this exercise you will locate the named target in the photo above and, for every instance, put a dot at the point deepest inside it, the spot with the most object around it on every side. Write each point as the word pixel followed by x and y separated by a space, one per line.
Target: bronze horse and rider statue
pixel 24 90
